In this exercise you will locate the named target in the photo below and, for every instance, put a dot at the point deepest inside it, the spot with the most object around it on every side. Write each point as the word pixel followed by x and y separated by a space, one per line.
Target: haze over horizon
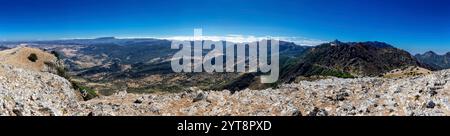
pixel 414 25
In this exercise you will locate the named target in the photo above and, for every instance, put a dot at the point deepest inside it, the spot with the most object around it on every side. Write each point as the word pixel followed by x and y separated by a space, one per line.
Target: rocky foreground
pixel 28 92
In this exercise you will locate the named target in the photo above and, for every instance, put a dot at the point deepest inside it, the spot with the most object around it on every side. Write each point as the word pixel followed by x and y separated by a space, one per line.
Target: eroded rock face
pixel 30 93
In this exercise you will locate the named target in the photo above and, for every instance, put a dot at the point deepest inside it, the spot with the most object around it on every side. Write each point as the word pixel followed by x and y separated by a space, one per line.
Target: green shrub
pixel 33 57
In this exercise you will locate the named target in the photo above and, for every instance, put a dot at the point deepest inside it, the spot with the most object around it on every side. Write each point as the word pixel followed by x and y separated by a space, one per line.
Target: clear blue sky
pixel 414 25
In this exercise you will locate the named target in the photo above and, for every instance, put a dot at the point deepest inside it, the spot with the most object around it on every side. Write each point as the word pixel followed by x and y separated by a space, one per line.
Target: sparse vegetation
pixel 406 72
pixel 319 70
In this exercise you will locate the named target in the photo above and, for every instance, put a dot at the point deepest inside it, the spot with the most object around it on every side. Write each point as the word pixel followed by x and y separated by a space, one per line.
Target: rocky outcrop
pixel 30 93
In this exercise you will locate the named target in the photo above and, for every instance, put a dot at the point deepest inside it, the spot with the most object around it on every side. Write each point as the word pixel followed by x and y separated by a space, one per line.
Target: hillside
pixel 28 88
pixel 353 59
pixel 435 61
pixel 142 65
pixel 3 48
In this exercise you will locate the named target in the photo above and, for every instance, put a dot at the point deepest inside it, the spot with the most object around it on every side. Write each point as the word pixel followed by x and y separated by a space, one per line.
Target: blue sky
pixel 413 25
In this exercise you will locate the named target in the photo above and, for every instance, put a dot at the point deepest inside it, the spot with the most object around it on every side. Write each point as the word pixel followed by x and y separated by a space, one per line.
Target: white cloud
pixel 245 39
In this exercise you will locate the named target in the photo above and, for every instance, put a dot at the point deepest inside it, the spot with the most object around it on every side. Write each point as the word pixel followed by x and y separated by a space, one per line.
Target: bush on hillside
pixel 33 57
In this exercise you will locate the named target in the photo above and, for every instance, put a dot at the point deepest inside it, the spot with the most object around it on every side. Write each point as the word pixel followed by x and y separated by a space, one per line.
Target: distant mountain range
pixel 109 64
pixel 435 61
pixel 339 59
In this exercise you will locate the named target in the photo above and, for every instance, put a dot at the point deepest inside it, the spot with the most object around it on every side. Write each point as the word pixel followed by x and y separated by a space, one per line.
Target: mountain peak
pixel 377 44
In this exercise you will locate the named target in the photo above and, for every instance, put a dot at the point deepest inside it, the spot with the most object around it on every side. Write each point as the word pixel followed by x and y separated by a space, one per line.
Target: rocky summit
pixel 423 95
